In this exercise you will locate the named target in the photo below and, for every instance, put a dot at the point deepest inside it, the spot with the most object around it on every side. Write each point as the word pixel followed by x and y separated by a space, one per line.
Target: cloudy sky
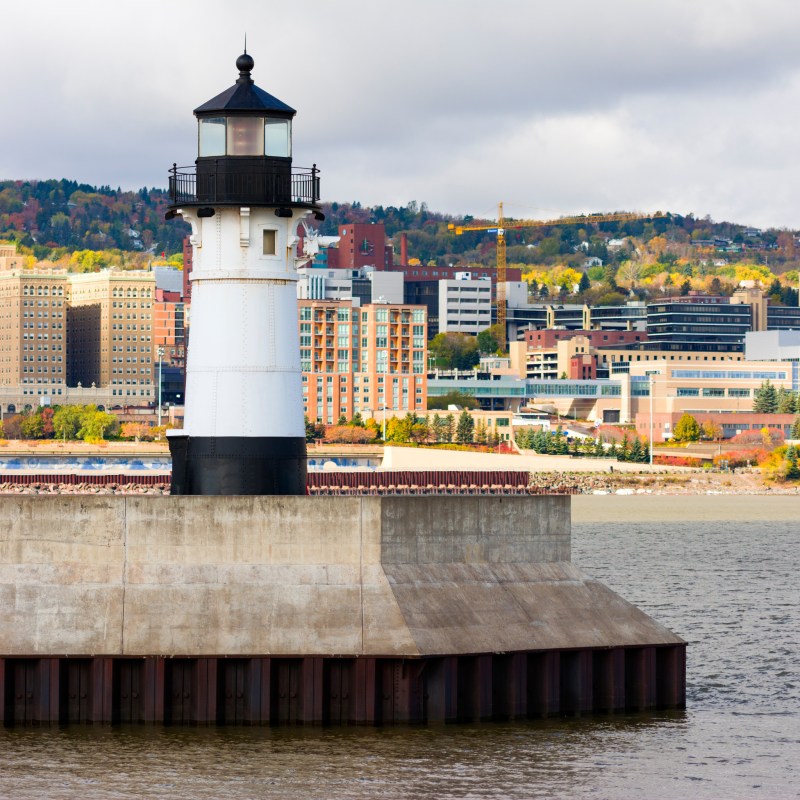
pixel 551 107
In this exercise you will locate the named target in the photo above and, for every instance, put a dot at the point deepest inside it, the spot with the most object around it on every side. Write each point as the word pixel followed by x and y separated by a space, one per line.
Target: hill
pixel 86 227
pixel 57 217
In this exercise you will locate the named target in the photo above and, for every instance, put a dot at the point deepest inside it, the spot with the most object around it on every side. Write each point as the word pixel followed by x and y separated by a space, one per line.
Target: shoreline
pixel 693 508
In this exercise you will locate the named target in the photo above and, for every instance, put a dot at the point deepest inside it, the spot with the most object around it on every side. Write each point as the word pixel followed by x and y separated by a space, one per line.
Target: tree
pixel 95 424
pixel 444 401
pixel 792 472
pixel 454 350
pixel 796 428
pixel 465 428
pixel 585 283
pixel 314 430
pixel 786 401
pixel 67 422
pixel 449 428
pixel 710 430
pixel 135 430
pixel 686 429
pixel 31 427
pixel 765 399
pixel 489 340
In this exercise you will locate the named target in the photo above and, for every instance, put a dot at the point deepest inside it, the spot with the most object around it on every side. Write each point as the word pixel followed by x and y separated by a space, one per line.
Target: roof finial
pixel 245 64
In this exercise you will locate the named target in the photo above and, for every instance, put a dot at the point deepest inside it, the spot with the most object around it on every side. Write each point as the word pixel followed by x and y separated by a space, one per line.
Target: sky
pixel 554 108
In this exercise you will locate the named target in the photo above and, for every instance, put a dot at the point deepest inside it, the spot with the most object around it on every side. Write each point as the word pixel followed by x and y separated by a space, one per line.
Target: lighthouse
pixel 243 428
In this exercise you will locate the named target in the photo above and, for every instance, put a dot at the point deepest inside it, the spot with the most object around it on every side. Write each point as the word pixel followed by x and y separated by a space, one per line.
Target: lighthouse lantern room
pixel 243 425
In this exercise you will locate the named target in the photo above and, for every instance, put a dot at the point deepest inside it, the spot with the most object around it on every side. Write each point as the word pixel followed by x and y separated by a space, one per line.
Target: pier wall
pixel 442 607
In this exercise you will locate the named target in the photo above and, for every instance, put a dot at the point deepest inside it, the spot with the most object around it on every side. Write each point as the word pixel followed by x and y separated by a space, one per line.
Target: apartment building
pixel 362 360
pixel 33 326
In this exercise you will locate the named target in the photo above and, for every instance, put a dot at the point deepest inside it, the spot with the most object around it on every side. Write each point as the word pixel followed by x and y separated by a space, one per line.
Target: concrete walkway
pixel 421 458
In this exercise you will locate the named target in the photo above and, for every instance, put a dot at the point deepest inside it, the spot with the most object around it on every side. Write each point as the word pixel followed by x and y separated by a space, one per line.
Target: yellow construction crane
pixel 502 225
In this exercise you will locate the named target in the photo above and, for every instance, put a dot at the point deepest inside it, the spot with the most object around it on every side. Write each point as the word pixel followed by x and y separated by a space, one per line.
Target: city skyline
pixel 552 110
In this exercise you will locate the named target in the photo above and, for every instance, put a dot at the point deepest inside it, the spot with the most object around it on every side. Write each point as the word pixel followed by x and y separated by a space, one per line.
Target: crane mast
pixel 502 225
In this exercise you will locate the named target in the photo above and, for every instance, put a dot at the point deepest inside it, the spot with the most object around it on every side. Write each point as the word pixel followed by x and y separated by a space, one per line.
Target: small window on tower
pixel 270 244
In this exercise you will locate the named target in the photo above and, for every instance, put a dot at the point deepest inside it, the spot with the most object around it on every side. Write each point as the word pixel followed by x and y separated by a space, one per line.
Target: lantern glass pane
pixel 212 137
pixel 277 138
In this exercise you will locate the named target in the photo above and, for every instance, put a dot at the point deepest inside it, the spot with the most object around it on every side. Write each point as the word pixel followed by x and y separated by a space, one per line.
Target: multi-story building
pixel 362 360
pixel 33 328
pixel 63 336
pixel 361 245
pixel 709 323
pixel 364 285
pixel 465 305
pixel 110 333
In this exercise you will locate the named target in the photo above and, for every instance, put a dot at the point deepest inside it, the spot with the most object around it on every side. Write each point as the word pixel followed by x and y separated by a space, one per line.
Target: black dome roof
pixel 244 96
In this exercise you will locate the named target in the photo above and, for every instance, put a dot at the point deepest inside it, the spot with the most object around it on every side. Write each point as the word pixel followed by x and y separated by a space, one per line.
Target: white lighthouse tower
pixel 243 427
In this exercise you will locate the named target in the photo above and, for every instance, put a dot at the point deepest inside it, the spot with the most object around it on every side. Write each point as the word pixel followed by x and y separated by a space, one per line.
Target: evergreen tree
pixel 449 428
pixel 786 401
pixel 585 283
pixel 636 451
pixel 765 399
pixel 796 428
pixel 792 470
pixel 465 428
pixel 624 450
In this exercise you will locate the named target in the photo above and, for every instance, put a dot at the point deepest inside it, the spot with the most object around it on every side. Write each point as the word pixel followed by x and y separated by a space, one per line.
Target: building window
pixel 270 243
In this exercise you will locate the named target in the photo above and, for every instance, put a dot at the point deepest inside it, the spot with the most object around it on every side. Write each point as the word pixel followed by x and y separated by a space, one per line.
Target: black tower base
pixel 237 465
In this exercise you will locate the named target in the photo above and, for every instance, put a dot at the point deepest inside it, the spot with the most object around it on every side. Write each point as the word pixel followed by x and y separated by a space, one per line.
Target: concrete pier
pixel 359 610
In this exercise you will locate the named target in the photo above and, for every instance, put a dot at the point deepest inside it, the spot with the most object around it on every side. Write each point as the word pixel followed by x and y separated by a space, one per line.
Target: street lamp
pixel 383 355
pixel 160 352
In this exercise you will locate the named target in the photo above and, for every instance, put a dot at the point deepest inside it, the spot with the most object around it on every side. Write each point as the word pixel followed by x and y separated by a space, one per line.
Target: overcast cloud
pixel 551 107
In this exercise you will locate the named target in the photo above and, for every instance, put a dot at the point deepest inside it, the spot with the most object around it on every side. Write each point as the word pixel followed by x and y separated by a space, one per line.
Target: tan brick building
pixel 33 309
pixel 75 337
pixel 110 333
pixel 362 359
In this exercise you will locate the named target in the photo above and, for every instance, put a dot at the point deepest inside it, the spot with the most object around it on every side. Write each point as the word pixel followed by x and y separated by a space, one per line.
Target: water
pixel 729 588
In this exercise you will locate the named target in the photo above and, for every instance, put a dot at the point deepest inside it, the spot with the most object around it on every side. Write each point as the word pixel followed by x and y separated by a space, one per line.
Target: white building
pixel 465 305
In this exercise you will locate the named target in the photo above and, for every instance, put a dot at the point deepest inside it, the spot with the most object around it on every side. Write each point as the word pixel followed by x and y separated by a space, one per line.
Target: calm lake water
pixel 729 588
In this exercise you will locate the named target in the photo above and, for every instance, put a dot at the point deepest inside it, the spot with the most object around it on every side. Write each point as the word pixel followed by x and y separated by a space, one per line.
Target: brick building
pixel 360 360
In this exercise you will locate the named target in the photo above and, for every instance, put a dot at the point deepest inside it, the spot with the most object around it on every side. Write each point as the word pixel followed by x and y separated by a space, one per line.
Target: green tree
pixel 480 432
pixel 31 427
pixel 585 283
pixel 489 340
pixel 792 472
pixel 67 422
pixel 454 350
pixel 95 424
pixel 442 402
pixel 449 428
pixel 796 428
pixel 786 401
pixel 465 429
pixel 687 429
pixel 765 399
